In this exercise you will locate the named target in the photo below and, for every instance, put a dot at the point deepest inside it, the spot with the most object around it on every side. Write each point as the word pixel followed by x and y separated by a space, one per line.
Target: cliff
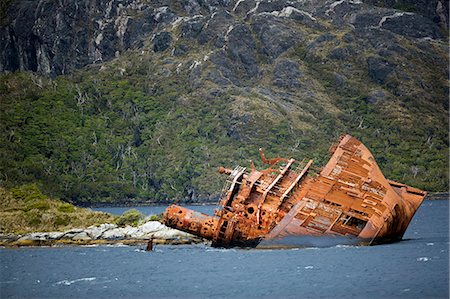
pixel 57 37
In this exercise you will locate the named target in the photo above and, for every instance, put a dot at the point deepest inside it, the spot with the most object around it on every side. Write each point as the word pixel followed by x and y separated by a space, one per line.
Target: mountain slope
pixel 196 85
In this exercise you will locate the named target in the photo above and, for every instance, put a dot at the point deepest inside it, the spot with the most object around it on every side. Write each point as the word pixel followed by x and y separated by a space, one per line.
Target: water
pixel 153 210
pixel 414 268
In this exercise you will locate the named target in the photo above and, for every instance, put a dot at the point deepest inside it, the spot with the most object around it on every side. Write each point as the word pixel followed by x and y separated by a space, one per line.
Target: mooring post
pixel 149 245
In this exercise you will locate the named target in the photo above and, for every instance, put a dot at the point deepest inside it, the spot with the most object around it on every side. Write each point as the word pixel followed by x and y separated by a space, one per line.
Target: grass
pixel 25 209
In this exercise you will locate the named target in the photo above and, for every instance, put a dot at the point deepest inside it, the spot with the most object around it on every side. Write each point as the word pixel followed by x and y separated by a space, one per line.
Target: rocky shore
pixel 103 234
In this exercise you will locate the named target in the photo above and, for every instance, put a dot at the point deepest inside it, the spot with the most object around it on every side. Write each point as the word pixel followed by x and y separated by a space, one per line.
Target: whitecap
pixel 69 282
pixel 430 244
pixel 309 267
pixel 346 246
pixel 423 259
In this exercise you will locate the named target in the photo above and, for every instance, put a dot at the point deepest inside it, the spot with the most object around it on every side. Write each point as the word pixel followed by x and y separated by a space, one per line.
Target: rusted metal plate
pixel 349 198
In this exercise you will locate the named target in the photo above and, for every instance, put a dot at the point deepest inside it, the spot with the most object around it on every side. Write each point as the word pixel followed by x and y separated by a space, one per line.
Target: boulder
pixel 96 231
pixel 134 233
pixel 114 234
pixel 151 227
pixel 170 233
pixel 81 237
pixel 162 41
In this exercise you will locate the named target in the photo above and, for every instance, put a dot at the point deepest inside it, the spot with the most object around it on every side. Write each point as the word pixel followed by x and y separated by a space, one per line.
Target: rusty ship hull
pixel 349 200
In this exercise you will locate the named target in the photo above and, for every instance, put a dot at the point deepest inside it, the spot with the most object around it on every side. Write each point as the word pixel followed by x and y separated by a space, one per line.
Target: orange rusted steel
pixel 349 198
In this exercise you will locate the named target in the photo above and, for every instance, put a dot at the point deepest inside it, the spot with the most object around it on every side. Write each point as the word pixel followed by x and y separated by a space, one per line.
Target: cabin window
pixel 354 222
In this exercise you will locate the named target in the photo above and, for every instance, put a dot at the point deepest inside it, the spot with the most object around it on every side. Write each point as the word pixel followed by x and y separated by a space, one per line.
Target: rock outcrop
pixel 104 234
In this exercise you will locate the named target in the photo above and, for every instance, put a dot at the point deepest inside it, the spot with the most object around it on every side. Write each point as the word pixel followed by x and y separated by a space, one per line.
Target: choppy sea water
pixel 417 267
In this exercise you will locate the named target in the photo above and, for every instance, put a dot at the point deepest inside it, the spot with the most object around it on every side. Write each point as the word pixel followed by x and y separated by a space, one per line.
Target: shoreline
pixel 104 234
pixel 127 242
pixel 140 204
pixel 430 196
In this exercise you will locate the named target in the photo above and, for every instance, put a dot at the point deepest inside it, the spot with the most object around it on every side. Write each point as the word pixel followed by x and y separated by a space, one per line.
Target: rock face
pixel 57 37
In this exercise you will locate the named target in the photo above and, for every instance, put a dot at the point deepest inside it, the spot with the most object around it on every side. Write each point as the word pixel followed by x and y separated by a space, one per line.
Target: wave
pixel 69 282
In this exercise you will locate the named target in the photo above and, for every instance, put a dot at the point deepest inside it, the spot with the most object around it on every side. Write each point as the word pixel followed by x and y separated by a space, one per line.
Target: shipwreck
pixel 348 201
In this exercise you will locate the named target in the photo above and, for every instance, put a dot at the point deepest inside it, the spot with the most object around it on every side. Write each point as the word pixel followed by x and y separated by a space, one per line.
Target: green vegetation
pixel 142 129
pixel 25 209
pixel 130 217
pixel 157 217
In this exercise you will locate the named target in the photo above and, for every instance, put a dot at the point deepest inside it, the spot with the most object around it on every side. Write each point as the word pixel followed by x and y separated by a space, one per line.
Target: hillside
pixel 137 101
pixel 25 209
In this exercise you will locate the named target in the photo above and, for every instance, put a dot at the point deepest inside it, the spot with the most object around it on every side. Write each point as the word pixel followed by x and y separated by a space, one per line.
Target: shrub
pixel 157 217
pixel 130 217
pixel 41 205
pixel 66 208
pixel 34 218
pixel 27 193
pixel 62 220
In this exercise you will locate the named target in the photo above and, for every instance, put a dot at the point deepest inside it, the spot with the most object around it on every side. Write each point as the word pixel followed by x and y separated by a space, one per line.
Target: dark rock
pixel 136 30
pixel 348 37
pixel 286 74
pixel 342 53
pixel 305 19
pixel 434 10
pixel 242 50
pixel 325 38
pixel 217 78
pixel 225 69
pixel 269 6
pixel 106 43
pixel 379 69
pixel 369 19
pixel 164 15
pixel 406 24
pixel 378 39
pixel 275 37
pixel 413 25
pixel 57 37
pixel 180 50
pixel 216 28
pixel 191 7
pixel 243 7
pixel 192 27
pixel 162 41
pixel 317 44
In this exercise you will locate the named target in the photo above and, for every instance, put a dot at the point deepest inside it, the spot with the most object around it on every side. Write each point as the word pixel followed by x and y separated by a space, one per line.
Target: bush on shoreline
pixel 25 209
pixel 130 217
